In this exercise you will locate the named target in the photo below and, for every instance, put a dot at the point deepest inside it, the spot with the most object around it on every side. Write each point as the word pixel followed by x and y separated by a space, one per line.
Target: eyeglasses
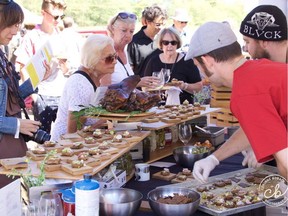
pixel 5 2
pixel 183 22
pixel 111 58
pixel 124 15
pixel 173 43
pixel 56 17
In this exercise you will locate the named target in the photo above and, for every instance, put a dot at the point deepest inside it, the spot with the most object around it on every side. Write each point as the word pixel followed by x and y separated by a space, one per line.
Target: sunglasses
pixel 5 2
pixel 183 22
pixel 124 15
pixel 159 24
pixel 56 17
pixel 110 59
pixel 173 43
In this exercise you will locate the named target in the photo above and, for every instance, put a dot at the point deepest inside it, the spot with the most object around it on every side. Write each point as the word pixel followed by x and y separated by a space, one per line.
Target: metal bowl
pixel 119 201
pixel 184 157
pixel 162 209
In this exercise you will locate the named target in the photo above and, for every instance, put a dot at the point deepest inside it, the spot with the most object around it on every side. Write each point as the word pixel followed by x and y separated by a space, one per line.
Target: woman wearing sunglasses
pixel 184 71
pixel 12 127
pixel 98 58
pixel 121 28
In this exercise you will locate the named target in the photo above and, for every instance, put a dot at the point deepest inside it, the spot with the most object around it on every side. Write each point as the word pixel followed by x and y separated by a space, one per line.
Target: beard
pixel 260 53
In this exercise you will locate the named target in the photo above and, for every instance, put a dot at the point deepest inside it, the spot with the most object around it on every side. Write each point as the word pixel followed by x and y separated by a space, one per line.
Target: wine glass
pixel 167 73
pixel 50 204
pixel 185 133
pixel 160 75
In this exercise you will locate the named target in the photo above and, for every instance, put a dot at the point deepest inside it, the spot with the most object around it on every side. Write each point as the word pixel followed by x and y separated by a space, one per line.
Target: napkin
pixel 173 96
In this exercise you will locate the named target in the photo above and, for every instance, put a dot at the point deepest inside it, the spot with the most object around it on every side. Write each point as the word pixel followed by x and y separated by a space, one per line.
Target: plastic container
pixel 68 197
pixel 87 196
pixel 216 137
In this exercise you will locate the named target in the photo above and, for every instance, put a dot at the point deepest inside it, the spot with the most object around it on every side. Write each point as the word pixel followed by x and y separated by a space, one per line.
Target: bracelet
pixel 185 86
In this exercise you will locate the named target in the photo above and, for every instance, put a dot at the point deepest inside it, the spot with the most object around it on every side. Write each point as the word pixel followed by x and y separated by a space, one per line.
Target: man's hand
pixel 250 159
pixel 202 168
pixel 29 127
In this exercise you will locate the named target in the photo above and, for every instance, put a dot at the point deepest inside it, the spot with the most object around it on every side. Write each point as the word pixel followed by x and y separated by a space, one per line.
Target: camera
pixel 39 137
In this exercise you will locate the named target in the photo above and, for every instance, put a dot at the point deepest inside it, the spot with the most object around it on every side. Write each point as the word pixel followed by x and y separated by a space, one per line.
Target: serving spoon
pixel 202 129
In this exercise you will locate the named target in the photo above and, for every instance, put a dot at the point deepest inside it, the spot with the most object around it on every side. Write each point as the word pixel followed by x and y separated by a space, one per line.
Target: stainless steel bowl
pixel 173 209
pixel 184 157
pixel 119 201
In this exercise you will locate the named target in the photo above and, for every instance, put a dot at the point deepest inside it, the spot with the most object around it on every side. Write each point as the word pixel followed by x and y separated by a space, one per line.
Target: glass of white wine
pixel 160 75
pixel 185 133
pixel 167 73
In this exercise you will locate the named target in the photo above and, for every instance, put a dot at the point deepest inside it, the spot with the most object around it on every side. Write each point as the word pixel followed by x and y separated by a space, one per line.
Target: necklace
pixel 173 65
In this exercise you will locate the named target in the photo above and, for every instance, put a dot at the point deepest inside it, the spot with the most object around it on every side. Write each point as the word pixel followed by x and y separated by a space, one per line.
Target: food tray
pixel 240 174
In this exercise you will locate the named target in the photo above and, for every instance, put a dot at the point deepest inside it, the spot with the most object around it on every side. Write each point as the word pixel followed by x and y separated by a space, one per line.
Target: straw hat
pixel 181 15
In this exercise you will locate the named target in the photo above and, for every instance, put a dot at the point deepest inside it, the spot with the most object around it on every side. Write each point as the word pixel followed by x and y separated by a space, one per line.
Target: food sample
pixel 77 145
pixel 109 132
pixel 104 145
pixel 53 160
pixel 77 163
pixel 176 199
pixel 165 172
pixel 89 140
pixel 67 152
pixel 39 150
pixel 186 171
pixel 83 156
pixel 117 138
pixel 87 129
pixel 185 103
pixel 95 151
pixel 97 134
pixel 126 134
pixel 181 177
pixel 49 143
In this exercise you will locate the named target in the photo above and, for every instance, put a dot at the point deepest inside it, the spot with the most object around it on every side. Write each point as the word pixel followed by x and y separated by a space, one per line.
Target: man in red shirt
pixel 258 100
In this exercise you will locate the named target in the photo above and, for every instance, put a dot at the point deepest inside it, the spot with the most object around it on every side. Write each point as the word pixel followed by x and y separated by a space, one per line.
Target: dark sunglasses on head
pixel 5 2
pixel 173 43
pixel 124 15
pixel 111 58
pixel 56 17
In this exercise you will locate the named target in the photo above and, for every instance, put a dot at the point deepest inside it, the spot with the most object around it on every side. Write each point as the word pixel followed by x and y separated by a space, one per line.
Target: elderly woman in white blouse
pixel 98 58
pixel 121 29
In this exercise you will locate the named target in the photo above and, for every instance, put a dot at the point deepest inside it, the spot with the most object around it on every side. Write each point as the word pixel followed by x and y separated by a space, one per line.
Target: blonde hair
pixel 92 49
pixel 115 20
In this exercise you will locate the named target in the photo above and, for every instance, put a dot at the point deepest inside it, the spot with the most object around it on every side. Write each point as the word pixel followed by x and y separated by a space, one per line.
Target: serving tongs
pixel 202 129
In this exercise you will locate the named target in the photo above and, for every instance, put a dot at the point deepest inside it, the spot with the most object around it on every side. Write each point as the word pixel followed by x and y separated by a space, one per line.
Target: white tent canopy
pixel 31 18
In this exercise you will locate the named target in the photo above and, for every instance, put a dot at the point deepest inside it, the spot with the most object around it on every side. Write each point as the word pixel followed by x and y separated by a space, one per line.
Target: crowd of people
pixel 79 68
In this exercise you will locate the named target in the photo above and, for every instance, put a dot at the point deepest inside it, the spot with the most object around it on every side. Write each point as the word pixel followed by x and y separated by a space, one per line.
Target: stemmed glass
pixel 185 133
pixel 160 75
pixel 167 73
pixel 50 205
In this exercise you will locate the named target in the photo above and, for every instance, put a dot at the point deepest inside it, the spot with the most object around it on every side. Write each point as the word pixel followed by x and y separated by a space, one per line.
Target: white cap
pixel 208 37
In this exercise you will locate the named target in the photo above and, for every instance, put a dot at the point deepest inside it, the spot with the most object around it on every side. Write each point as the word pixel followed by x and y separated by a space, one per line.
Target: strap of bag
pixel 88 77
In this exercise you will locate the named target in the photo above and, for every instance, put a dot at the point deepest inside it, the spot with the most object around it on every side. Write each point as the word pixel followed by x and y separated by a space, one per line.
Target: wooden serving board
pixel 76 171
pixel 56 147
pixel 126 114
pixel 169 120
pixel 103 156
pixel 14 163
pixel 112 150
pixel 169 177
pixel 176 180
pixel 122 144
pixel 150 120
pixel 75 137
pixel 50 168
pixel 35 157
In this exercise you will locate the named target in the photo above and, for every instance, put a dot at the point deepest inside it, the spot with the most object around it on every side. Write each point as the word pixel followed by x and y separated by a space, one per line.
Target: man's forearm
pixel 235 144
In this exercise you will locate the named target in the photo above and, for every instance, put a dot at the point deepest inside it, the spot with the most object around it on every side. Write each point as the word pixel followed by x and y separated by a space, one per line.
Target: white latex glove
pixel 202 168
pixel 250 159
